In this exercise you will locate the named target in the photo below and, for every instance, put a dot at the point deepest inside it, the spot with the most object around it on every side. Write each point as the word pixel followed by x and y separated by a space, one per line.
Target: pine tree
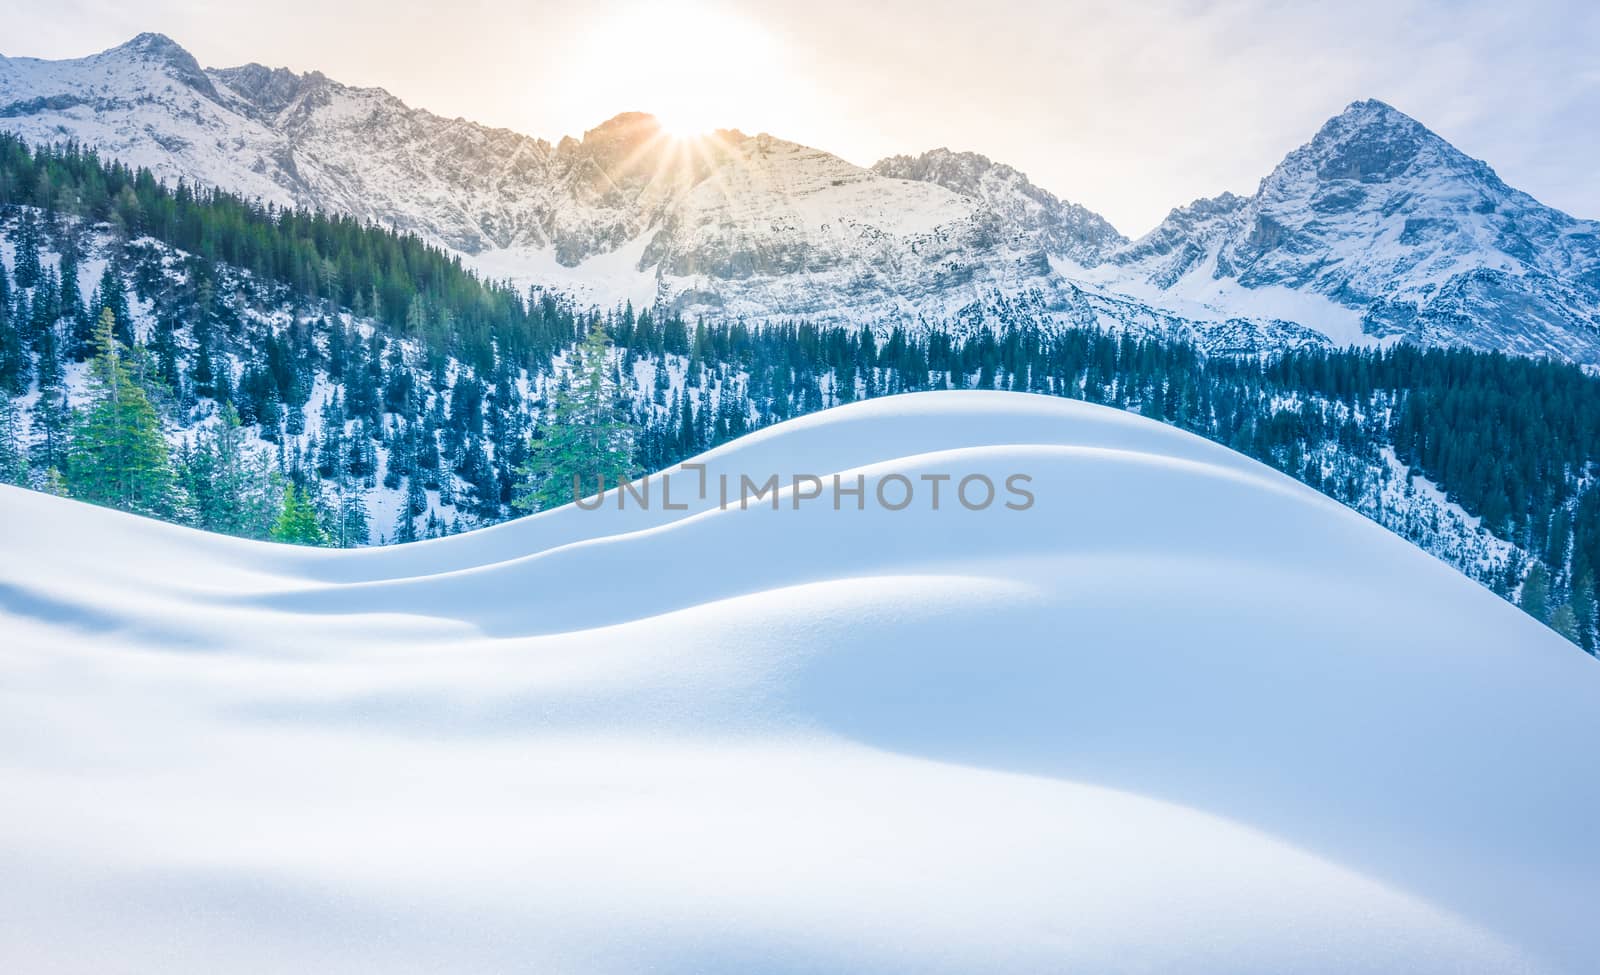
pixel 13 452
pixel 405 526
pixel 71 301
pixel 587 438
pixel 416 497
pixel 297 523
pixel 49 371
pixel 1565 622
pixel 13 352
pixel 110 296
pixel 1583 610
pixel 229 491
pixel 50 431
pixel 26 264
pixel 1535 599
pixel 346 520
pixel 118 456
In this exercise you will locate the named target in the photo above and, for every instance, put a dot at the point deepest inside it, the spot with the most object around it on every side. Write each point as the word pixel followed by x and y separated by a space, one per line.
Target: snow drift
pixel 1182 714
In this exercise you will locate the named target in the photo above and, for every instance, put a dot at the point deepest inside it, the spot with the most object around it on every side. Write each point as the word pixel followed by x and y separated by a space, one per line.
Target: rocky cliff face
pixel 1063 229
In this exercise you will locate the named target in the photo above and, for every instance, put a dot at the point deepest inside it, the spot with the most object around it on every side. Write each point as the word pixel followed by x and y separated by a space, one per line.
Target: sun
pixel 697 66
pixel 687 121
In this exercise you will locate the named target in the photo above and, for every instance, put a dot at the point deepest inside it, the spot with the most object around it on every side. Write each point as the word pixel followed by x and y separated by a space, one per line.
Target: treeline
pixel 112 451
pixel 414 288
pixel 1513 441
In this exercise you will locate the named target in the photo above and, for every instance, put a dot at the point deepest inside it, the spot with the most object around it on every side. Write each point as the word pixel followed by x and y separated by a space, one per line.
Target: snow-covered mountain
pixel 1376 230
pixel 727 224
pixel 1063 229
pixel 1382 217
pixel 1134 727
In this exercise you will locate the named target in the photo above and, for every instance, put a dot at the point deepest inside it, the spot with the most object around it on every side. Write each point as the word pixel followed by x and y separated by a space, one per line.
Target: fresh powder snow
pixel 1182 713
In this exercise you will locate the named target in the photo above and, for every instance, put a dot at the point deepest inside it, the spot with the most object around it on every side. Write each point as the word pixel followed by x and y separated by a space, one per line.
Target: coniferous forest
pixel 190 355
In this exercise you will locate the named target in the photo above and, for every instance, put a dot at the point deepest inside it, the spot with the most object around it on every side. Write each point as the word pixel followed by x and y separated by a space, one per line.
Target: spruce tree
pixel 346 521
pixel 1565 622
pixel 71 300
pixel 26 264
pixel 229 490
pixel 587 438
pixel 118 457
pixel 110 296
pixel 13 452
pixel 13 352
pixel 50 432
pixel 416 503
pixel 1583 610
pixel 297 522
pixel 405 526
pixel 49 371
pixel 1535 598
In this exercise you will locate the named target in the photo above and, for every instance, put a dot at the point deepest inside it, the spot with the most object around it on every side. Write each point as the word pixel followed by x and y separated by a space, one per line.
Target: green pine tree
pixel 1565 622
pixel 229 490
pixel 13 452
pixel 118 456
pixel 297 523
pixel 26 264
pixel 346 520
pixel 1583 610
pixel 50 432
pixel 1535 599
pixel 587 437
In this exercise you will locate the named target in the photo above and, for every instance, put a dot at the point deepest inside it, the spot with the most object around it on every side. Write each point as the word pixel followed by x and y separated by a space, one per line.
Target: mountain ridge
pixel 1375 230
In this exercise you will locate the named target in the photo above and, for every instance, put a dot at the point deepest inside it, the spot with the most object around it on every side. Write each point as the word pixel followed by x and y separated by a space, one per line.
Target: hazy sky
pixel 1128 107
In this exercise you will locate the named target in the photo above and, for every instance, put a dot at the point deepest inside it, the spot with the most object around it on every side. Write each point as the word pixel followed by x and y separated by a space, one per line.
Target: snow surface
pixel 1183 714
pixel 1202 296
pixel 604 280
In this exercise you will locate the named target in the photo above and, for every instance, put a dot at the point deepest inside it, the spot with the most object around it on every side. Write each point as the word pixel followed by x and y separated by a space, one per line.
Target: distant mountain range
pixel 1376 230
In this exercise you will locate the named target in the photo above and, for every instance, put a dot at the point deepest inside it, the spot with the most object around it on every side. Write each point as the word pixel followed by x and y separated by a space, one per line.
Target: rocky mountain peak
pixel 173 58
pixel 1397 230
pixel 616 138
pixel 268 91
pixel 1370 142
pixel 1065 229
pixel 959 171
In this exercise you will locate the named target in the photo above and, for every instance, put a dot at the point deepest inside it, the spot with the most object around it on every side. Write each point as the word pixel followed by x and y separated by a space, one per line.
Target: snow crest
pixel 1181 713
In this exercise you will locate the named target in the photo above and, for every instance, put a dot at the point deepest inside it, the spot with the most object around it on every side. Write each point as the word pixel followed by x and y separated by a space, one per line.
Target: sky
pixel 1128 108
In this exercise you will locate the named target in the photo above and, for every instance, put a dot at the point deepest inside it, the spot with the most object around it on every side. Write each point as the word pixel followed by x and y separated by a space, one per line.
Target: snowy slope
pixel 1182 714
